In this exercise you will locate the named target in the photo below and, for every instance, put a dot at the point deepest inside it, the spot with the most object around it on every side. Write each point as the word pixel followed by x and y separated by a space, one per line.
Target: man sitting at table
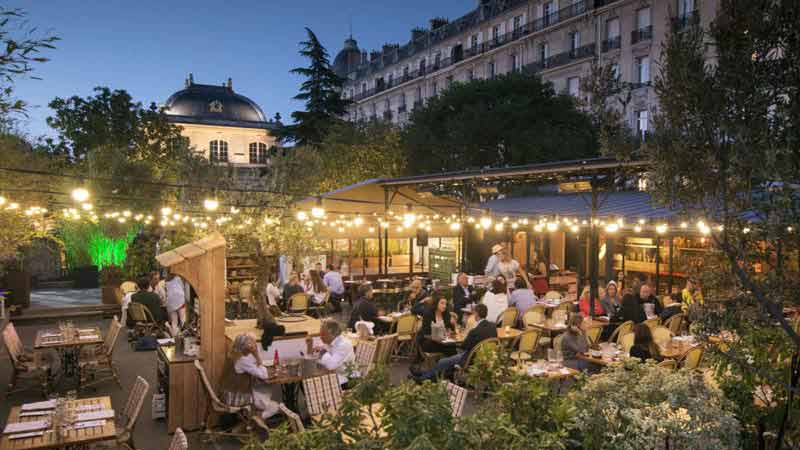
pixel 645 296
pixel 150 300
pixel 333 279
pixel 337 352
pixel 365 310
pixel 483 330
pixel 462 295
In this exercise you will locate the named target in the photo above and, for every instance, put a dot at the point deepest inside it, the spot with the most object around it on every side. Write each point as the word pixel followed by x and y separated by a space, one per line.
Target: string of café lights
pixel 318 217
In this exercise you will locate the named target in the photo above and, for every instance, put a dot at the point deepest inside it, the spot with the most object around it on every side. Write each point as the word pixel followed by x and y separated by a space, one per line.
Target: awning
pixel 629 205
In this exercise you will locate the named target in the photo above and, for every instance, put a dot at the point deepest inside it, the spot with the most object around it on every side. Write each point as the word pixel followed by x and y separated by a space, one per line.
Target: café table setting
pixel 68 340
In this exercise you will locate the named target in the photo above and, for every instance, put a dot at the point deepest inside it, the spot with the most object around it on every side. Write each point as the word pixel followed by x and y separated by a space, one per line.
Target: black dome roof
pixel 209 102
pixel 347 59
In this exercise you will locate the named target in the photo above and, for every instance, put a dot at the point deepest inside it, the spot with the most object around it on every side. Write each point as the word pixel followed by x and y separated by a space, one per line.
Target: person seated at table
pixel 496 300
pixel 333 279
pixel 415 296
pixel 150 300
pixel 271 329
pixel 643 346
pixel 691 294
pixel 318 268
pixel 632 310
pixel 437 314
pixel 482 331
pixel 337 352
pixel 462 295
pixel 611 301
pixel 157 286
pixel 241 385
pixel 574 343
pixel 672 306
pixel 317 288
pixel 292 287
pixel 365 310
pixel 645 296
pixel 584 303
pixel 522 298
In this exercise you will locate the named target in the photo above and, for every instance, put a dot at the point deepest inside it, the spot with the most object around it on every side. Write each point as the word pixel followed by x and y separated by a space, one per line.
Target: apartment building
pixel 556 39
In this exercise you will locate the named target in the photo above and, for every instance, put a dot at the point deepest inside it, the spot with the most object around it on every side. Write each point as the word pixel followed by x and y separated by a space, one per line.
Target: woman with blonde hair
pixel 244 384
pixel 316 288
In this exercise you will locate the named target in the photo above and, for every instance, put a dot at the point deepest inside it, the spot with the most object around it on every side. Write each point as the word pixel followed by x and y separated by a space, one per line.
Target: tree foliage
pixel 321 94
pixel 509 120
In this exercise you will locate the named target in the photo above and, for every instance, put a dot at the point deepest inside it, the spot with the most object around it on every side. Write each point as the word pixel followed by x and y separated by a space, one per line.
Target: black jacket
pixel 484 330
pixel 429 317
pixel 152 302
pixel 363 310
pixel 461 299
pixel 290 289
pixel 632 309
pixel 652 299
pixel 271 330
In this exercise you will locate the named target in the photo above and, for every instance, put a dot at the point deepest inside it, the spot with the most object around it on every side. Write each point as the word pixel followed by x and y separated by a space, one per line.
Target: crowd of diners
pixel 166 299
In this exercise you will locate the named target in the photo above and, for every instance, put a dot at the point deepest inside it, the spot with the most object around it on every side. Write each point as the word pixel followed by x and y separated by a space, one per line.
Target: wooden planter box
pixel 19 283
pixel 110 295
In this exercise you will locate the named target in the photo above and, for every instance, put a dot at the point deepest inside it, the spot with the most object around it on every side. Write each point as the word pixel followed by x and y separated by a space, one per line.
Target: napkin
pixel 90 407
pixel 95 415
pixel 47 335
pixel 26 435
pixel 89 337
pixel 19 427
pixel 35 413
pixel 86 330
pixel 564 371
pixel 49 404
pixel 90 424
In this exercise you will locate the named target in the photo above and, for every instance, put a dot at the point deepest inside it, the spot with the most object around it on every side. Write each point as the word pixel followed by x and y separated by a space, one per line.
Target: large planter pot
pixel 110 295
pixel 19 283
pixel 86 277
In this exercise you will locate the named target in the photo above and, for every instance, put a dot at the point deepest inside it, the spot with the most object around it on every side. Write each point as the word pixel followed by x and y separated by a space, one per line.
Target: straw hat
pixel 496 248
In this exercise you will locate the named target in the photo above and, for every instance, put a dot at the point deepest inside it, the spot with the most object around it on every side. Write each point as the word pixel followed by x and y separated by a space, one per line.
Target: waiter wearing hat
pixel 493 264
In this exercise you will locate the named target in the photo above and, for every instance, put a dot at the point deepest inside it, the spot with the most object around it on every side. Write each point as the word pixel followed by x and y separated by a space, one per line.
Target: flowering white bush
pixel 642 406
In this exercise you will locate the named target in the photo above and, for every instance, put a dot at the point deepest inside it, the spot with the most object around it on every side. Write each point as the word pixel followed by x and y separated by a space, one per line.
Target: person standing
pixel 492 269
pixel 508 267
pixel 337 351
pixel 157 286
pixel 176 300
pixel 333 279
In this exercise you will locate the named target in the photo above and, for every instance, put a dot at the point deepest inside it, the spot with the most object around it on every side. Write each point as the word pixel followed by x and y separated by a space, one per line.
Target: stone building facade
pixel 555 39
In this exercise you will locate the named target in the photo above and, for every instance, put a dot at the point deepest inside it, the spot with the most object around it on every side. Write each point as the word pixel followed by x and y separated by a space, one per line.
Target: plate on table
pixel 291 319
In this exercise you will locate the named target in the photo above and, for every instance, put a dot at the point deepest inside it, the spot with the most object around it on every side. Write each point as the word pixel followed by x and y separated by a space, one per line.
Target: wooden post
pixel 622 282
pixel 671 269
pixel 411 256
pixel 593 249
pixel 658 263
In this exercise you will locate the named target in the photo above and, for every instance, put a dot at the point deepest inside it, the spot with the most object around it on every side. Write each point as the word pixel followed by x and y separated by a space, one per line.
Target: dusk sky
pixel 148 47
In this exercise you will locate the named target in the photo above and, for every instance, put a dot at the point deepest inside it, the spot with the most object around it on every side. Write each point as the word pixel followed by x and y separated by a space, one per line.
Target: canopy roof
pixel 627 204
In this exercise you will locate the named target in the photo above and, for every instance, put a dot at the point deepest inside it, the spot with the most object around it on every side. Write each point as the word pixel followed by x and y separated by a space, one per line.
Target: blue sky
pixel 147 47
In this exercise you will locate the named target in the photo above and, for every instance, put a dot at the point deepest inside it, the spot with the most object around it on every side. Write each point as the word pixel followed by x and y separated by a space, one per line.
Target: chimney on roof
pixel 389 52
pixel 229 85
pixel 189 80
pixel 374 55
pixel 417 33
pixel 364 57
pixel 438 22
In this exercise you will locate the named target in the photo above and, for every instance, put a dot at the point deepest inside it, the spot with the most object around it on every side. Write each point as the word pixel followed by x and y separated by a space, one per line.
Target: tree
pixel 321 94
pixel 725 145
pixel 509 120
pixel 20 49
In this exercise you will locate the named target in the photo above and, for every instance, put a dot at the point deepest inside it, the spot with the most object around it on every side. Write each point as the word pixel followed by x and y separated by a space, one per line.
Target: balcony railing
pixel 612 43
pixel 642 34
pixel 561 59
pixel 686 20
pixel 401 109
pixel 640 85
pixel 536 25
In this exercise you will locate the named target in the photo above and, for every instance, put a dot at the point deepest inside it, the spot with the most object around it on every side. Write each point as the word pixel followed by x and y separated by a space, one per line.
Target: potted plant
pixel 110 280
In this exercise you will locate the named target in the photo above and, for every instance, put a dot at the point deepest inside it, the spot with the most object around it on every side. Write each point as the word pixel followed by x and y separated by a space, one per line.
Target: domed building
pixel 225 126
pixel 348 59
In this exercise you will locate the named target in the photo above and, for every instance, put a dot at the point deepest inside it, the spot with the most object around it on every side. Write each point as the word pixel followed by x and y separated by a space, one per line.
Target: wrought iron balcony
pixel 642 34
pixel 686 20
pixel 561 59
pixel 611 43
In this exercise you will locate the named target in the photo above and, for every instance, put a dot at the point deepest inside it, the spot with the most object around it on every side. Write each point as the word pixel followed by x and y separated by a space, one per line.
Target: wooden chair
pixel 626 342
pixel 652 323
pixel 127 287
pixel 669 364
pixel 593 334
pixel 458 398
pixel 298 303
pixel 29 368
pixel 365 357
pixel 661 335
pixel 553 295
pixel 295 423
pixel 461 370
pixel 384 346
pixel 179 441
pixel 691 359
pixel 566 307
pixel 216 406
pixel 126 420
pixel 145 323
pixel 674 324
pixel 535 315
pixel 406 330
pixel 623 329
pixel 508 318
pixel 323 394
pixel 526 344
pixel 99 360
pixel 320 310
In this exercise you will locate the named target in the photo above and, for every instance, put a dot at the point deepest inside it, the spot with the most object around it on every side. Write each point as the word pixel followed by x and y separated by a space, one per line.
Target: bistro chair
pixel 144 322
pixel 29 368
pixel 691 359
pixel 674 324
pixel 535 315
pixel 553 295
pixel 365 357
pixel 298 303
pixel 323 394
pixel 179 441
pixel 593 334
pixel 652 323
pixel 626 342
pixel 127 287
pixel 218 407
pixel 458 398
pixel 623 329
pixel 320 310
pixel 669 364
pixel 566 307
pixel 526 345
pixel 295 423
pixel 508 318
pixel 406 330
pixel 661 335
pixel 99 359
pixel 127 419
pixel 384 346
pixel 461 371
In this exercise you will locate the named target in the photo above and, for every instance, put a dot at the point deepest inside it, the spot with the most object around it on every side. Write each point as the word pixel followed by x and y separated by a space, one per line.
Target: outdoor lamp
pixel 211 204
pixel 318 211
pixel 486 222
pixel 80 195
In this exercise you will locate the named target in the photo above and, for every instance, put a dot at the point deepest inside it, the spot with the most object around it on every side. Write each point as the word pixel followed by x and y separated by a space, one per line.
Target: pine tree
pixel 320 92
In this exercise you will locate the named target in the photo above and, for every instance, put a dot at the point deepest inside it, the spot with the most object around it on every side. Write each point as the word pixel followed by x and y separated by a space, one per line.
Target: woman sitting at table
pixel 317 288
pixel 496 300
pixel 414 298
pixel 584 304
pixel 611 301
pixel 438 315
pixel 643 346
pixel 241 385
pixel 574 343
pixel 632 310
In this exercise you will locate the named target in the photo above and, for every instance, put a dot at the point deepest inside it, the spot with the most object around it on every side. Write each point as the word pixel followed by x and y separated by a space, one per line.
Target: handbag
pixel 146 344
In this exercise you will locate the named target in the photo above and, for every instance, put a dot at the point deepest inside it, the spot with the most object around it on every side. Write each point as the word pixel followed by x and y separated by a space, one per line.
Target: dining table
pixel 68 341
pixel 44 431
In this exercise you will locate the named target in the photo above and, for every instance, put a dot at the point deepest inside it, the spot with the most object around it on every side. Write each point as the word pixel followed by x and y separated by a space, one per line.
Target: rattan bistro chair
pixel 458 398
pixel 508 318
pixel 674 324
pixel 526 345
pixel 145 323
pixel 126 420
pixel 179 441
pixel 534 315
pixel 661 335
pixel 406 330
pixel 623 329
pixel 99 360
pixel 384 346
pixel 298 303
pixel 323 394
pixel 593 334
pixel 691 359
pixel 28 368
pixel 461 370
pixel 217 407
pixel 365 357
pixel 669 364
pixel 626 342
pixel 295 423
pixel 320 310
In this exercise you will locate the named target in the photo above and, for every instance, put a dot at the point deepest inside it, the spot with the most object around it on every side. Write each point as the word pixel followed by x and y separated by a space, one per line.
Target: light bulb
pixel 486 222
pixel 302 216
pixel 80 195
pixel 455 226
pixel 211 204
pixel 317 212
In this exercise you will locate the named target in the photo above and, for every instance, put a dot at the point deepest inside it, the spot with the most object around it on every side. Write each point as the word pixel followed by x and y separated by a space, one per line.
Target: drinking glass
pixel 551 354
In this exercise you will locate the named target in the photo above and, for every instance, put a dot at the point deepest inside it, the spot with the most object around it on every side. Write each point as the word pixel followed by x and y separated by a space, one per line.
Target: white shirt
pixel 492 270
pixel 272 294
pixel 339 356
pixel 247 364
pixel 508 270
pixel 495 303
pixel 333 280
pixel 176 296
